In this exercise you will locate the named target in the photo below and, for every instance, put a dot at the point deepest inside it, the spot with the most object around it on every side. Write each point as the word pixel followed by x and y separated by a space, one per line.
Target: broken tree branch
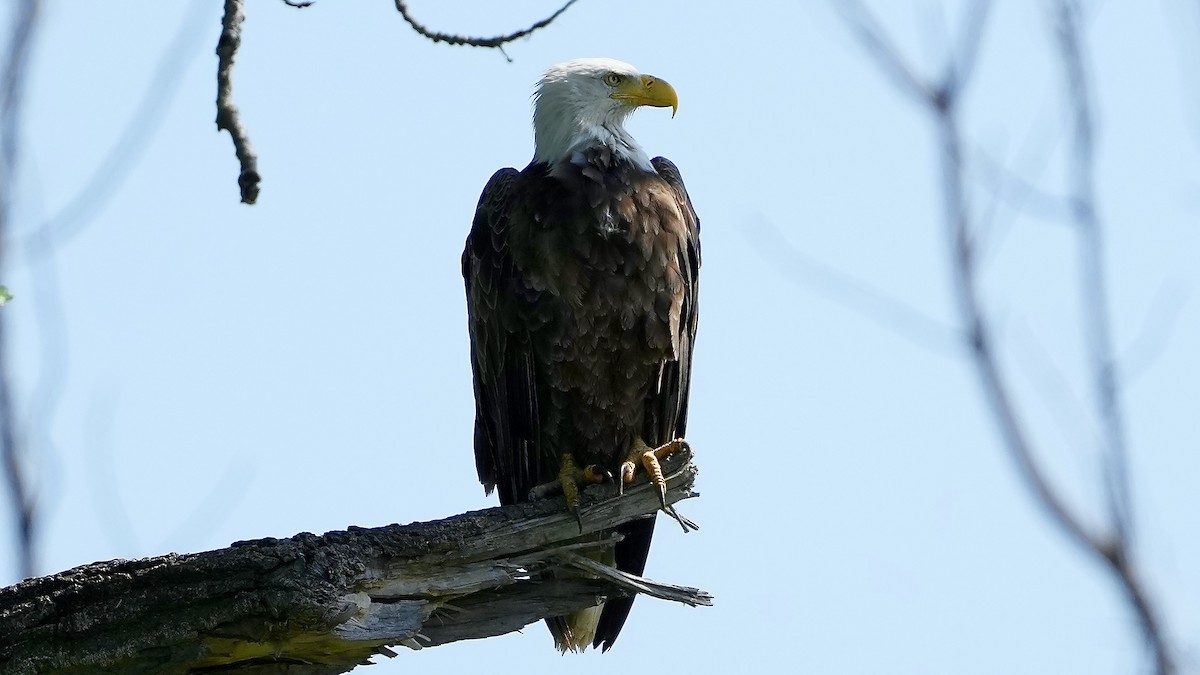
pixel 227 112
pixel 316 605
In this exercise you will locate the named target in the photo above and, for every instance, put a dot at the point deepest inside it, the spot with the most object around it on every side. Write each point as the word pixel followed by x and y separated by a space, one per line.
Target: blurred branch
pixel 297 3
pixel 1020 193
pixel 941 101
pixel 116 166
pixel 857 295
pixel 1093 284
pixel 496 42
pixel 24 25
pixel 227 113
pixel 313 605
pixel 877 44
pixel 960 67
pixel 995 386
pixel 1155 330
pixel 1092 281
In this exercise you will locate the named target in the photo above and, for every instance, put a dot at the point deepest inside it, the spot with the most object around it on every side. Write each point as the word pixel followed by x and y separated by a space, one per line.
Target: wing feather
pixel 666 404
pixel 498 305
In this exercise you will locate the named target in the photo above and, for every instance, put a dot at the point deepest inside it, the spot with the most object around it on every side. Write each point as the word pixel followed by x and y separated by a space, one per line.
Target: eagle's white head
pixel 585 102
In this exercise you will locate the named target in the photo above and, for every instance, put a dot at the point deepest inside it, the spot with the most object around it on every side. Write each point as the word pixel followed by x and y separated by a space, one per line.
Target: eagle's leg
pixel 566 477
pixel 570 477
pixel 648 458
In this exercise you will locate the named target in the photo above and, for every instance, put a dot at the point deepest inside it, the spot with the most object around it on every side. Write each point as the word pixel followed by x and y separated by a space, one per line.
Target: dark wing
pixel 499 305
pixel 666 404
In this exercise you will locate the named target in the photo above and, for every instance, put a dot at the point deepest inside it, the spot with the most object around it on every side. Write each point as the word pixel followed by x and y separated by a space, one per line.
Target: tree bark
pixel 312 605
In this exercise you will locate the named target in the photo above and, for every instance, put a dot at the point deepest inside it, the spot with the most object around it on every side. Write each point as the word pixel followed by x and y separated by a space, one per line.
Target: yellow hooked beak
pixel 647 90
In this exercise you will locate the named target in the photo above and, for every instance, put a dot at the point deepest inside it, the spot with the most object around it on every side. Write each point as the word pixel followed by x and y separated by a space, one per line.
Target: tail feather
pixel 600 625
pixel 631 553
pixel 575 631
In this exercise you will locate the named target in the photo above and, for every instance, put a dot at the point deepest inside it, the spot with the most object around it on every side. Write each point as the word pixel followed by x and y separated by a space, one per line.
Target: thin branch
pixel 1155 331
pixel 1112 550
pixel 1010 185
pixel 942 103
pixel 227 112
pixel 1093 285
pixel 1093 279
pixel 127 150
pixel 893 313
pixel 877 44
pixel 496 42
pixel 1058 398
pixel 16 69
pixel 959 68
pixel 995 386
pixel 1020 193
pixel 100 467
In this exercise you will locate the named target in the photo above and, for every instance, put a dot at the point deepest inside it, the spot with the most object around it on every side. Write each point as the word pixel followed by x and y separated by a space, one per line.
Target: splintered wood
pixel 317 605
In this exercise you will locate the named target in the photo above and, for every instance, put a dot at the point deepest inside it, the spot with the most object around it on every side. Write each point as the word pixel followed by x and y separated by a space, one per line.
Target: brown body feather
pixel 581 294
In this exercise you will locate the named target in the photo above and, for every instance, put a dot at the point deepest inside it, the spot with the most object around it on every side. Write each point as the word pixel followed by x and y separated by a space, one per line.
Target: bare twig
pixel 15 69
pixel 1023 195
pixel 995 386
pixel 942 101
pixel 227 112
pixel 876 42
pixel 893 313
pixel 1093 284
pixel 1154 332
pixel 1092 281
pixel 231 38
pixel 959 68
pixel 128 148
pixel 495 42
pixel 1112 547
pixel 1020 193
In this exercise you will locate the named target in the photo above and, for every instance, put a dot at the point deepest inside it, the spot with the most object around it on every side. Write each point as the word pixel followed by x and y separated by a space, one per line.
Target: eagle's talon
pixel 594 473
pixel 648 458
pixel 571 478
pixel 628 472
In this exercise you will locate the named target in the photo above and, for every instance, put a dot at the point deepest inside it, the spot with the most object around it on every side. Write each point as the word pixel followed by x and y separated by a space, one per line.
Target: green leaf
pixel 5 296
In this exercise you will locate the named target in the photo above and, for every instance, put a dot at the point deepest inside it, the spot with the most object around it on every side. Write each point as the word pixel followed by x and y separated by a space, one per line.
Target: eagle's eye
pixel 612 79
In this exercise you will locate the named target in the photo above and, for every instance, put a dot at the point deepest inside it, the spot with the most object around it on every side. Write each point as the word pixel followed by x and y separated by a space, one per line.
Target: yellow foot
pixel 570 477
pixel 642 455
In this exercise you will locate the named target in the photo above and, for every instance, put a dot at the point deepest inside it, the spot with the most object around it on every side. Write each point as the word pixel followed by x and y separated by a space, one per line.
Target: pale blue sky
pixel 226 372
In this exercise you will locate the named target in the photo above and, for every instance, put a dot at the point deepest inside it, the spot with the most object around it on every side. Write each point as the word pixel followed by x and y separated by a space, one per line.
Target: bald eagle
pixel 581 275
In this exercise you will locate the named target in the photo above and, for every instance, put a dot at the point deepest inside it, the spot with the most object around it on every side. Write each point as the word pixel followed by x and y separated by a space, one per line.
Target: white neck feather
pixel 564 126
